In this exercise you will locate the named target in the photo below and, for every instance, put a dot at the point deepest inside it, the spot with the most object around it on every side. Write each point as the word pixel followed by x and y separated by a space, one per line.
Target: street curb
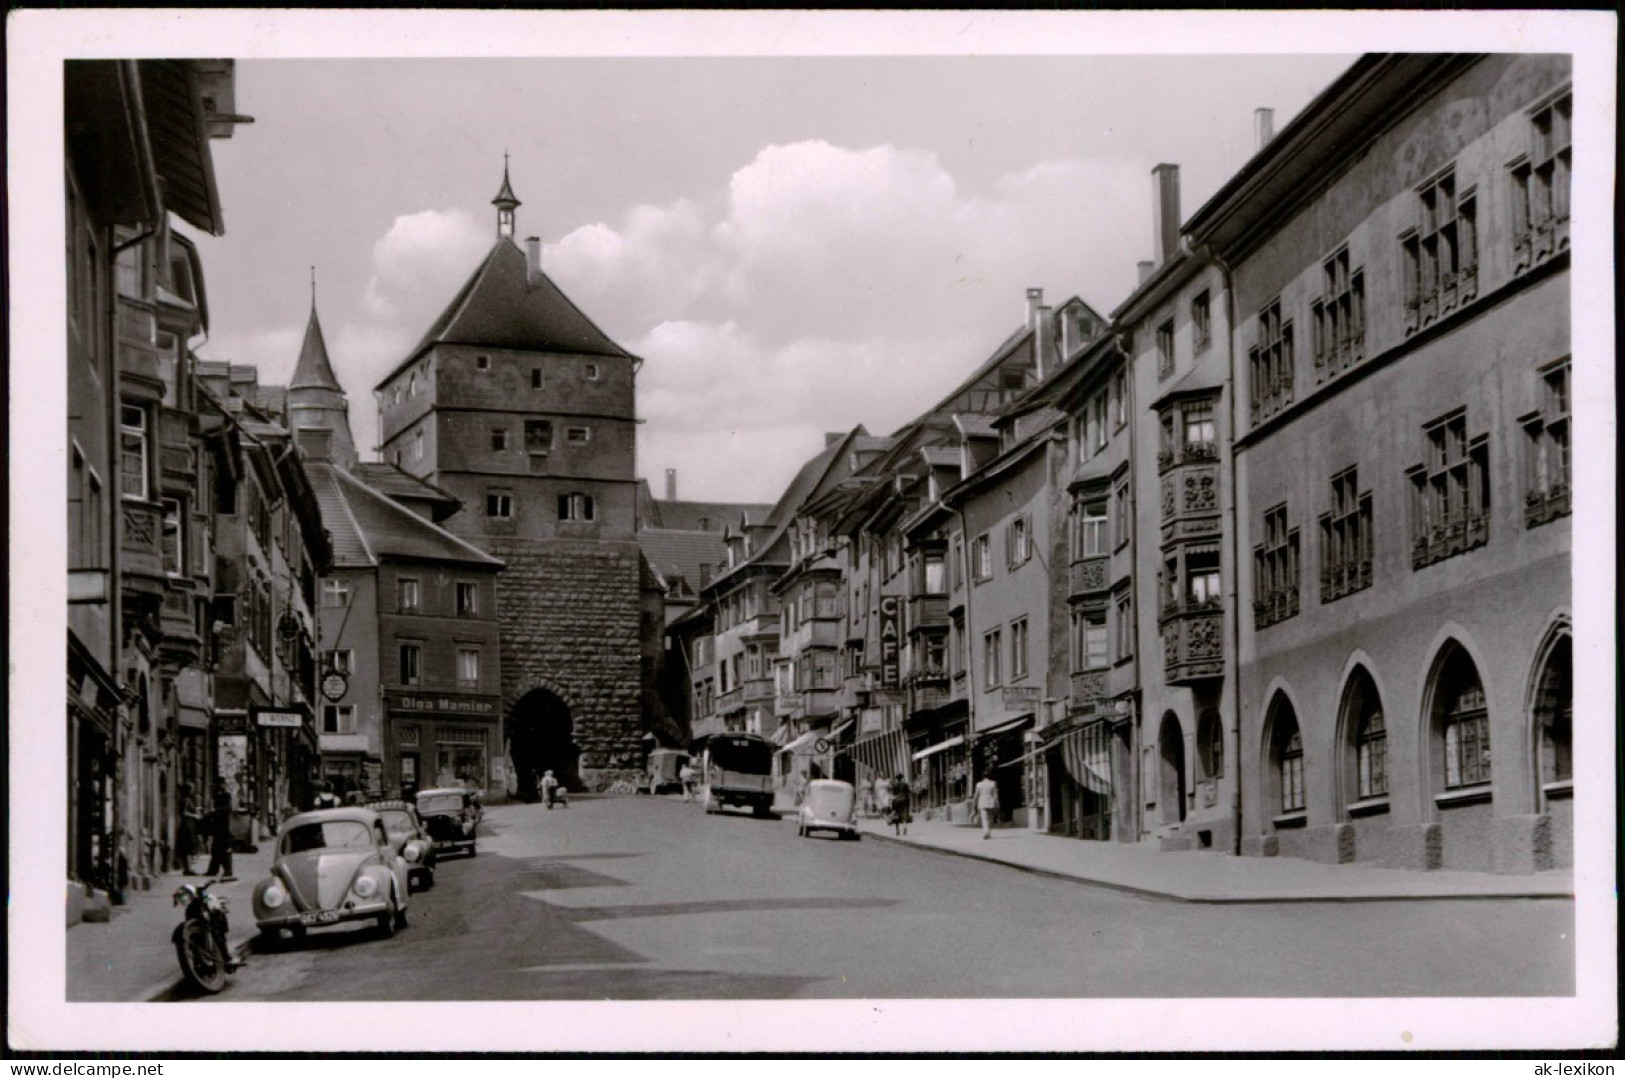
pixel 1221 900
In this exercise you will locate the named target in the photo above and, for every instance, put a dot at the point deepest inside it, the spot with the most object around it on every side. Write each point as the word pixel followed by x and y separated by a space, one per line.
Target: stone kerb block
pixel 1413 846
pixel 1260 846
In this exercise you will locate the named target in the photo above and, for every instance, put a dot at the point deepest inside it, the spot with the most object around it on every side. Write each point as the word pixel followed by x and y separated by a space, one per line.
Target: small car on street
pixel 411 840
pixel 448 813
pixel 828 805
pixel 332 866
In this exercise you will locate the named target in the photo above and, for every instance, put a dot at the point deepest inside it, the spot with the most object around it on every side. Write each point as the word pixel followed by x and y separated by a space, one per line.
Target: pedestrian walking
pixel 186 841
pixel 897 805
pixel 685 775
pixel 220 838
pixel 986 798
pixel 550 788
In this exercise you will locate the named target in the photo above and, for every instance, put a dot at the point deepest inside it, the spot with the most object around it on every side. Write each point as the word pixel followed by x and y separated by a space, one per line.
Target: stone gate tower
pixel 522 408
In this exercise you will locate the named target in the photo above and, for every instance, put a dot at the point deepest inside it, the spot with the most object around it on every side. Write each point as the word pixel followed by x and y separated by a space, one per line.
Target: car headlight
pixel 273 897
pixel 411 851
pixel 366 887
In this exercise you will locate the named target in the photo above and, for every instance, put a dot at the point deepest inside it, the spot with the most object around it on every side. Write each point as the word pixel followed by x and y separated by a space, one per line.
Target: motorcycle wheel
pixel 200 958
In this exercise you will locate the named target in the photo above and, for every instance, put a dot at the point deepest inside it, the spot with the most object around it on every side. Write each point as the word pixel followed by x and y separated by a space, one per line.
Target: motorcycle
pixel 200 938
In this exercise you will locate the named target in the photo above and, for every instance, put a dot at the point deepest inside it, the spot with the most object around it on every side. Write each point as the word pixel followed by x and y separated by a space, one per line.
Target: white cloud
pixel 422 260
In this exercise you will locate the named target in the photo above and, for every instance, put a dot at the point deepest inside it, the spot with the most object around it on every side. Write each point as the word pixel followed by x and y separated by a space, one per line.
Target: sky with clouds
pixel 793 245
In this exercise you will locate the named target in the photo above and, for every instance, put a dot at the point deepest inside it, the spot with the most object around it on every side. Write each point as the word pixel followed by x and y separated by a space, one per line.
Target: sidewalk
pixel 131 959
pixel 1208 877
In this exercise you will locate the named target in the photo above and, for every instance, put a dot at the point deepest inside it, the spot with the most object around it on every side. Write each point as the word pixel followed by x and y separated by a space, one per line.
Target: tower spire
pixel 506 203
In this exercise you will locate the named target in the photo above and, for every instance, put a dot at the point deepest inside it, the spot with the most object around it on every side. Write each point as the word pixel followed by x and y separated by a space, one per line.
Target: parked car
pixel 332 866
pixel 448 814
pixel 828 805
pixel 411 840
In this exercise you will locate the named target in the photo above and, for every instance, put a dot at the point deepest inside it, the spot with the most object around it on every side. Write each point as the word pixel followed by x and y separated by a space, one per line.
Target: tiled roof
pixel 687 516
pixel 678 554
pixel 383 527
pixel 940 456
pixel 502 307
pixel 392 482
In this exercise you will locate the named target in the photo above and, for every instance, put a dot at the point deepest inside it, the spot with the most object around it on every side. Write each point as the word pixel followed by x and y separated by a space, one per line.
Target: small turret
pixel 506 203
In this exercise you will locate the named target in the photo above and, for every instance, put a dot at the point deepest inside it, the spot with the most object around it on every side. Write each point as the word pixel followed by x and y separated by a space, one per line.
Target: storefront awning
pixel 1005 728
pixel 835 734
pixel 810 735
pixel 950 743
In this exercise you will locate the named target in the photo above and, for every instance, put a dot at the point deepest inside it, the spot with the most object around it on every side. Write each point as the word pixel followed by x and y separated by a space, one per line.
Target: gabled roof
pixel 688 516
pixel 369 526
pixel 678 554
pixel 503 306
pixel 314 369
pixel 390 481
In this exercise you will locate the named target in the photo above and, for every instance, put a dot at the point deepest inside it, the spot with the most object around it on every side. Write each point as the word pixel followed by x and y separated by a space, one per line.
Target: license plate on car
pixel 319 917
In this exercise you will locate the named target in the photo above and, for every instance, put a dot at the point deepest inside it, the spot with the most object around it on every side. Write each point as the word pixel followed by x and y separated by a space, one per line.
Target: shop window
pixel 1546 450
pixel 1270 362
pixel 133 451
pixel 468 599
pixel 1275 570
pixel 411 664
pixel 1450 493
pixel 576 507
pixel 1345 539
pixel 338 719
pixel 410 595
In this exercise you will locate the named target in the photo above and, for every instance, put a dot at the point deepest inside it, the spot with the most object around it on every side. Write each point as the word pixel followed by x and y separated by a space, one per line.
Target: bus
pixel 738 770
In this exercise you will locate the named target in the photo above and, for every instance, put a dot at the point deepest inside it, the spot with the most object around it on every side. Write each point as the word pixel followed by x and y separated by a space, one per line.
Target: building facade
pixel 1401 355
pixel 523 410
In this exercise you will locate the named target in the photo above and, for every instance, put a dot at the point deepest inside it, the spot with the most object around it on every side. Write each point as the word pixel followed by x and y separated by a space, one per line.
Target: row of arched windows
pixel 1458 749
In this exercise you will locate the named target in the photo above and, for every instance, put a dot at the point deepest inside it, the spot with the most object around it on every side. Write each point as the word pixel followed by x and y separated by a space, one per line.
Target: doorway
pixel 1171 797
pixel 540 733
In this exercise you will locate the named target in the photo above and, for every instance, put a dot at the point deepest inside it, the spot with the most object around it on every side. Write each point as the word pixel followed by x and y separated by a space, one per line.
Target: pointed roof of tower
pixel 504 306
pixel 505 197
pixel 314 368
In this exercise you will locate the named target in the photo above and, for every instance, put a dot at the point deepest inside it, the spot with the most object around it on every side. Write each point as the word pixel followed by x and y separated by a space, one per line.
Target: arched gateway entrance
pixel 539 739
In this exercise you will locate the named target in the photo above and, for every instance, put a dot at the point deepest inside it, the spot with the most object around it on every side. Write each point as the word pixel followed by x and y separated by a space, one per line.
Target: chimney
pixel 1263 127
pixel 1035 303
pixel 671 484
pixel 705 575
pixel 1043 339
pixel 1165 193
pixel 533 257
pixel 1145 269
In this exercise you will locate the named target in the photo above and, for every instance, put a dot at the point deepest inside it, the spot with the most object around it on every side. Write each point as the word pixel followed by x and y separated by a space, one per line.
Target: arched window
pixel 1371 757
pixel 1286 759
pixel 1554 715
pixel 1292 773
pixel 1210 745
pixel 1465 723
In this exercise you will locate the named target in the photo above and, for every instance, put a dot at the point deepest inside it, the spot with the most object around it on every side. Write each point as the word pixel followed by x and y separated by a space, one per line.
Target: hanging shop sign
pixel 334 686
pixel 279 716
pixel 890 637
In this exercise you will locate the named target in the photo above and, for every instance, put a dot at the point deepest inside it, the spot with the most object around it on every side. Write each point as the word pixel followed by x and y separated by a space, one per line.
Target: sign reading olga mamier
pixel 412 703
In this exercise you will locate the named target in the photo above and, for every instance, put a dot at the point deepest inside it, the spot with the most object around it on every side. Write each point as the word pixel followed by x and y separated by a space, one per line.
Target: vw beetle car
pixel 332 866
pixel 411 841
pixel 448 815
pixel 828 805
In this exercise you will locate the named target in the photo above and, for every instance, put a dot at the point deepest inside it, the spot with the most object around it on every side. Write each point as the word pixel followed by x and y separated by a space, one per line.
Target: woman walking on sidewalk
pixel 897 811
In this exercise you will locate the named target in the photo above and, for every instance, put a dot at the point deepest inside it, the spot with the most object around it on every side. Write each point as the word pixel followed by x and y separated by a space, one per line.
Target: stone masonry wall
pixel 569 616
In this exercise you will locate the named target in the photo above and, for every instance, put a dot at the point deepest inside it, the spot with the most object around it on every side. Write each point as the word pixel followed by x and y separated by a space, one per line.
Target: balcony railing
pixel 1193 646
pixel 1172 608
pixel 1344 578
pixel 1539 506
pixel 1087 575
pixel 1465 532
